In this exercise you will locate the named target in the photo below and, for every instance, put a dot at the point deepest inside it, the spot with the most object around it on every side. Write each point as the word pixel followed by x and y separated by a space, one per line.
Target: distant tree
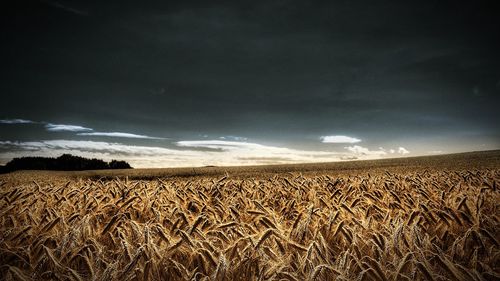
pixel 65 162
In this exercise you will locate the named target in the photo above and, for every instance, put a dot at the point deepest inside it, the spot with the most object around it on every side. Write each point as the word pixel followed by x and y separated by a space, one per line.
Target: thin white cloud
pixel 402 150
pixel 48 126
pixel 80 130
pixel 219 144
pixel 16 121
pixel 118 135
pixel 339 139
pixel 63 127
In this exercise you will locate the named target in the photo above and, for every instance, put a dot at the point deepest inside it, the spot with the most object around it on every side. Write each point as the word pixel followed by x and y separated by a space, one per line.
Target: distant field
pixel 469 160
pixel 422 218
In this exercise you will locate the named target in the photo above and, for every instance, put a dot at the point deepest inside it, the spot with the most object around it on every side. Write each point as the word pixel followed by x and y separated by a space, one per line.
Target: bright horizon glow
pixel 185 153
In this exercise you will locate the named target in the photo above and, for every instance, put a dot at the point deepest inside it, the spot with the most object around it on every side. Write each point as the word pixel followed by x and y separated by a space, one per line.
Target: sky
pixel 196 83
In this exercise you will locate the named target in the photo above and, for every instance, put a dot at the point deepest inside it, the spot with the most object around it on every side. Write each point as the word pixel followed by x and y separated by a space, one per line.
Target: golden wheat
pixel 398 224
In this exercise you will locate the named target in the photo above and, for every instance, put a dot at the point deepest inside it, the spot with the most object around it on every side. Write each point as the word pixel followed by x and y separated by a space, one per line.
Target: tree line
pixel 65 162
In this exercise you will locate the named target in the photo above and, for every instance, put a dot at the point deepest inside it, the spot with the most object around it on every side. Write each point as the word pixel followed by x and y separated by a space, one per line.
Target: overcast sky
pixel 160 83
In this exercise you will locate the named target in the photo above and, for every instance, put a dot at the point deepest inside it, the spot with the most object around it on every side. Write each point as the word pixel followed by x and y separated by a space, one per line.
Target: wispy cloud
pixel 339 139
pixel 16 121
pixel 219 144
pixel 48 126
pixel 118 135
pixel 80 130
pixel 63 127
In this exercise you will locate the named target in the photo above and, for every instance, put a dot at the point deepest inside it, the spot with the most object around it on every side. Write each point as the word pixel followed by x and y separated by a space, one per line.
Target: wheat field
pixel 370 224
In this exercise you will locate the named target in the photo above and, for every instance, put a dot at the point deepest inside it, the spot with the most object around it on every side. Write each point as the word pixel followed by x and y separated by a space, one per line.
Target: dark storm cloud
pixel 277 71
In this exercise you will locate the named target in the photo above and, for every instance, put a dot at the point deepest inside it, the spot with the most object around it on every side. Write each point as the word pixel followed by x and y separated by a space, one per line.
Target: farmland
pixel 424 218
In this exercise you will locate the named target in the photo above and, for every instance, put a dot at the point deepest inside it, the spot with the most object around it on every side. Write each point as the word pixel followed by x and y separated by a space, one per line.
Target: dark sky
pixel 420 75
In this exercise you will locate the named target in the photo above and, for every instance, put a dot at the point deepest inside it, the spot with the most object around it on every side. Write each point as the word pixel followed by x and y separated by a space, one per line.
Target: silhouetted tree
pixel 65 162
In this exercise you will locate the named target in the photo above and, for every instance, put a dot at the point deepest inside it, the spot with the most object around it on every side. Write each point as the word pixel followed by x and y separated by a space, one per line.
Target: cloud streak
pixel 118 135
pixel 81 130
pixel 339 139
pixel 15 121
pixel 219 144
pixel 63 127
